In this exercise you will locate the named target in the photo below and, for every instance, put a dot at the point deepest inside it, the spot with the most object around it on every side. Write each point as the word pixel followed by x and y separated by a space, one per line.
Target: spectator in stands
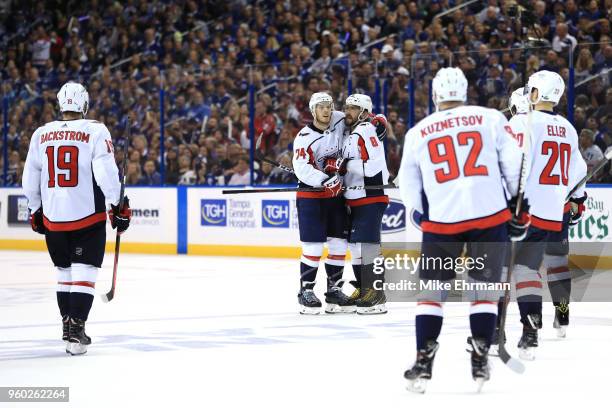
pixel 591 153
pixel 240 173
pixel 151 176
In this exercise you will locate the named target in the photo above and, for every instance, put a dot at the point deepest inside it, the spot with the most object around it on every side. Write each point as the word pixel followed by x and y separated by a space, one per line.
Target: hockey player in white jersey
pixel 70 179
pixel 322 216
pixel 555 167
pixel 363 163
pixel 452 168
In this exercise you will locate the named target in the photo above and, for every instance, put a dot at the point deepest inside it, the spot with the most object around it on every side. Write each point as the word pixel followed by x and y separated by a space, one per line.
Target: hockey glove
pixel 36 221
pixel 380 123
pixel 576 209
pixel 120 219
pixel 518 225
pixel 333 186
pixel 335 165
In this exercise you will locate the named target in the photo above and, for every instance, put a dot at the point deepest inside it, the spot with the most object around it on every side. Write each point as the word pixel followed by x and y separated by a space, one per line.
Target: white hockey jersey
pixel 70 170
pixel 366 165
pixel 311 147
pixel 452 169
pixel 555 166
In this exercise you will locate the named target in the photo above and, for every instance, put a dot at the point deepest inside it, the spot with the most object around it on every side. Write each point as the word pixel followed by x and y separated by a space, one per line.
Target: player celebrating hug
pixel 452 169
pixel 363 164
pixel 321 215
pixel 70 177
pixel 555 167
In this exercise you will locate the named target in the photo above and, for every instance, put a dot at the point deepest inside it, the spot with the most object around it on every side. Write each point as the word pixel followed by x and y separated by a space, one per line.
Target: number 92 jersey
pixel 71 171
pixel 452 169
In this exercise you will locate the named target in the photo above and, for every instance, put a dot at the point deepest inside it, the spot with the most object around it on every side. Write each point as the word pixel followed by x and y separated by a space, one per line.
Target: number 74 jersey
pixel 555 166
pixel 71 171
pixel 455 168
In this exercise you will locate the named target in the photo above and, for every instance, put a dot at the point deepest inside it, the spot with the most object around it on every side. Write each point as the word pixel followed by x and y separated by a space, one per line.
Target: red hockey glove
pixel 518 225
pixel 120 219
pixel 576 209
pixel 335 165
pixel 36 221
pixel 333 185
pixel 380 123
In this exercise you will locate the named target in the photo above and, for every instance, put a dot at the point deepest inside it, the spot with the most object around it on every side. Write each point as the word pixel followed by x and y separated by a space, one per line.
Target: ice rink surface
pixel 186 331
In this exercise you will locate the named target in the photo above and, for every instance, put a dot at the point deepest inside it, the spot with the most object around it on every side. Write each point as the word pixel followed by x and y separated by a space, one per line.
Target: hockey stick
pixel 266 160
pixel 304 189
pixel 598 166
pixel 512 363
pixel 111 293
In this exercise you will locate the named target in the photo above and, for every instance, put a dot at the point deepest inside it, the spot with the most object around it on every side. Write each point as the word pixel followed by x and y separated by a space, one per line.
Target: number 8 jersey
pixel 555 166
pixel 70 170
pixel 452 169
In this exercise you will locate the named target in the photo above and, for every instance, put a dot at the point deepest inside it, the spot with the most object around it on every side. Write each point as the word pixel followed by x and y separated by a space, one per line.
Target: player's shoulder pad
pixel 305 131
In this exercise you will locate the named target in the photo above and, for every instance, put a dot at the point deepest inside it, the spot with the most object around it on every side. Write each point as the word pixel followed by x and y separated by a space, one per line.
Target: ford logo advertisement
pixel 394 219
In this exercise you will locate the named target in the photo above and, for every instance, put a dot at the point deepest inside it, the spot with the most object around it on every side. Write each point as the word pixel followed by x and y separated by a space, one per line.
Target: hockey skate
pixel 372 302
pixel 78 340
pixel 529 340
pixel 65 328
pixel 337 302
pixel 309 302
pixel 420 373
pixel 561 319
pixel 480 361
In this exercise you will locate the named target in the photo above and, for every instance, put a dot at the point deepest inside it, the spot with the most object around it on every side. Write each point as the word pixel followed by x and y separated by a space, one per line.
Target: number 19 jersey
pixel 70 170
pixel 452 169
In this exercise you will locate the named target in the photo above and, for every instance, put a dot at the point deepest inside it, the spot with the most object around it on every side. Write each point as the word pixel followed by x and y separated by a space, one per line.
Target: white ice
pixel 186 331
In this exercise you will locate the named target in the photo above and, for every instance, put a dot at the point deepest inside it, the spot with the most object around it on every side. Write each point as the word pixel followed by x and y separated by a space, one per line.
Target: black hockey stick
pixel 111 293
pixel 598 166
pixel 304 189
pixel 514 364
pixel 265 159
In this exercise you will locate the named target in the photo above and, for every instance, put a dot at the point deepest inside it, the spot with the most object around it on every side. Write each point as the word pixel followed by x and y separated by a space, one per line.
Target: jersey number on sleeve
pixel 556 151
pixel 449 156
pixel 67 159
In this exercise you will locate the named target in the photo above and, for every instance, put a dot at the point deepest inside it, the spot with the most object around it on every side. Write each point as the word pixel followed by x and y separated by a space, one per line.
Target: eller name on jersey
pixel 71 172
pixel 555 166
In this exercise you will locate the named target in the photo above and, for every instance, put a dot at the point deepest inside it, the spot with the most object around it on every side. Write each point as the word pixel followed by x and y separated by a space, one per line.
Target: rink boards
pixel 203 221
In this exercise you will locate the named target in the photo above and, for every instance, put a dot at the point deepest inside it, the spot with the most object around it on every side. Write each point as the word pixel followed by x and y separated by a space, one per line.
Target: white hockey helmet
pixel 361 100
pixel 317 98
pixel 549 84
pixel 519 102
pixel 73 97
pixel 449 84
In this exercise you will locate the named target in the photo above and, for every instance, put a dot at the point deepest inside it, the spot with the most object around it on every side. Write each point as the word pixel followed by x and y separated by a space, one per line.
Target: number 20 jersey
pixel 71 171
pixel 452 169
pixel 555 166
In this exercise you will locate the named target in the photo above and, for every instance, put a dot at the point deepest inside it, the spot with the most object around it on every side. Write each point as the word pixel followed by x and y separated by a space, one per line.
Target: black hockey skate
pixel 309 302
pixel 77 339
pixel 529 340
pixel 372 302
pixel 480 361
pixel 561 318
pixel 420 373
pixel 65 328
pixel 337 302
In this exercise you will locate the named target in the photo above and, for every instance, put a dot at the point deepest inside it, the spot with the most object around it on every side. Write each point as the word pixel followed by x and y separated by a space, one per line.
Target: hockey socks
pixel 428 328
pixel 80 305
pixel 63 302
pixel 483 319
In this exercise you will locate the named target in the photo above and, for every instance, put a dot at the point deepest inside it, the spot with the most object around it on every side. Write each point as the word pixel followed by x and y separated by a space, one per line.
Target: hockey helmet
pixel 73 97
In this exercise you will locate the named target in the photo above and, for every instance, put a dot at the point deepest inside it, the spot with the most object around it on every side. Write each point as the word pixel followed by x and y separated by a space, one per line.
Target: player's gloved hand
pixel 36 221
pixel 518 225
pixel 335 165
pixel 380 123
pixel 120 218
pixel 333 185
pixel 576 209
